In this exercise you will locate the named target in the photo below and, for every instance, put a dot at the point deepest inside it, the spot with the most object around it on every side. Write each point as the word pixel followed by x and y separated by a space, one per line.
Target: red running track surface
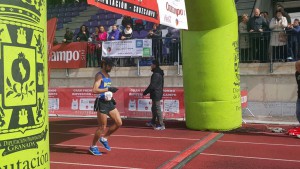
pixel 137 146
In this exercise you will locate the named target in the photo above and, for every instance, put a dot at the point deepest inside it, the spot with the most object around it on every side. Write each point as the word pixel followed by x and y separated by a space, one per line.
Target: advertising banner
pixel 130 102
pixel 142 9
pixel 24 127
pixel 167 12
pixel 68 55
pixel 137 105
pixel 172 13
pixel 127 48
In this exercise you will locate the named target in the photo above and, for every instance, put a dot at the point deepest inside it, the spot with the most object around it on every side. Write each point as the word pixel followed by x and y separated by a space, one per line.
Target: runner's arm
pixel 97 83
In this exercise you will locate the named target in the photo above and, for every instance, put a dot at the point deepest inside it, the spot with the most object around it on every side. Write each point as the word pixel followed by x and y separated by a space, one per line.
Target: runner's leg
pixel 115 116
pixel 102 122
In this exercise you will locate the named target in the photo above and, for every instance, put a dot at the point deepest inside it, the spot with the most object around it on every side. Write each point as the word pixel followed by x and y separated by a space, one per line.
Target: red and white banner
pixel 68 55
pixel 130 102
pixel 137 105
pixel 167 12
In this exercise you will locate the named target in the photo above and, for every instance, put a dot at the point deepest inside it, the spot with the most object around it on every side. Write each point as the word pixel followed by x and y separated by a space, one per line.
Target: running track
pixel 136 146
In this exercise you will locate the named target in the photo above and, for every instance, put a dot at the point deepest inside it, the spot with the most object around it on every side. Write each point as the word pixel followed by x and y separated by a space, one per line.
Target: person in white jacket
pixel 278 36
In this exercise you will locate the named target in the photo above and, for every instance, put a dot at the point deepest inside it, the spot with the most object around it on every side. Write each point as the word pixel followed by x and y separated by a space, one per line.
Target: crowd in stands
pixel 262 39
pixel 130 28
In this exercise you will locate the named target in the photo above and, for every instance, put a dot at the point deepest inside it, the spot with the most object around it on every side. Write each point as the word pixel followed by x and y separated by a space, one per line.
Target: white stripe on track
pixel 90 165
pixel 268 144
pixel 171 138
pixel 138 127
pixel 120 148
pixel 257 158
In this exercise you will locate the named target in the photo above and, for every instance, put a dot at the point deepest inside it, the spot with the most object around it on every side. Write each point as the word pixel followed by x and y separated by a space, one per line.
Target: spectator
pixel 114 34
pixel 95 35
pixel 244 38
pixel 126 20
pixel 265 15
pixel 83 34
pixel 284 13
pixel 155 89
pixel 102 34
pixel 297 76
pixel 174 44
pixel 127 33
pixel 278 37
pixel 256 26
pixel 68 37
pixel 139 24
pixel 156 35
pixel 294 39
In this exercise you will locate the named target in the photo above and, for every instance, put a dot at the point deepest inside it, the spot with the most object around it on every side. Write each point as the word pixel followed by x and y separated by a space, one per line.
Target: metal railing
pixel 269 47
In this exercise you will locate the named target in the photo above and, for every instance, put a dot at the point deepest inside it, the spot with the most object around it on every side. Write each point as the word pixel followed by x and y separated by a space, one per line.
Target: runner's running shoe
pixel 150 124
pixel 95 151
pixel 105 144
pixel 159 127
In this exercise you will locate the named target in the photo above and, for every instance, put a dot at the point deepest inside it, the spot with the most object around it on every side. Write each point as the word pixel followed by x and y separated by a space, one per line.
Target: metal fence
pixel 268 47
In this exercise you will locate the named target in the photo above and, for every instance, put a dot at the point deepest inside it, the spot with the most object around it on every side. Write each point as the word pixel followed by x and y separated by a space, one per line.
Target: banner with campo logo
pixel 172 13
pixel 24 136
pixel 127 48
pixel 68 55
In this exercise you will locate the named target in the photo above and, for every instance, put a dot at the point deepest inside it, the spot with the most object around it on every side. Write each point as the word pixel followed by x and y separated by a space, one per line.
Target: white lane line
pixel 171 138
pixel 90 165
pixel 137 127
pixel 268 144
pixel 257 158
pixel 120 148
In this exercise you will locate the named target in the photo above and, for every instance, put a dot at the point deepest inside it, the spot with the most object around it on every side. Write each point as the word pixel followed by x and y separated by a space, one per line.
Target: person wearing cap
pixel 105 106
pixel 156 92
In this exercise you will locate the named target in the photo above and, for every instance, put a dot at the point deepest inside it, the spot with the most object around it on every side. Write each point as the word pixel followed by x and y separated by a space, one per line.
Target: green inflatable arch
pixel 210 66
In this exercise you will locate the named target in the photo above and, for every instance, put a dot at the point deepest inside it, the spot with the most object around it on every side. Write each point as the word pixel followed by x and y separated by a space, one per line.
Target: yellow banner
pixel 24 134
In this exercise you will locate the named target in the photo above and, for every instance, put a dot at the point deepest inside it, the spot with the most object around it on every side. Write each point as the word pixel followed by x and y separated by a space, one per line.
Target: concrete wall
pixel 270 94
pixel 121 77
pixel 262 85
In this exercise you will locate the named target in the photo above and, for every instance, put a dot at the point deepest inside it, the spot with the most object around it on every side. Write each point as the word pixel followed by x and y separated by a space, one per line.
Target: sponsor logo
pixel 67 56
pixel 174 10
pixel 139 43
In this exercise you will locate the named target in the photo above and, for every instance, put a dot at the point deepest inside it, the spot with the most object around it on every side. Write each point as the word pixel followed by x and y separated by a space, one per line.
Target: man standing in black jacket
pixel 156 92
pixel 259 41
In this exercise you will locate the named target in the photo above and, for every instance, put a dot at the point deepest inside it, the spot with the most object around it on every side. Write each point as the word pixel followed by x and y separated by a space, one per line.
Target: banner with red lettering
pixel 68 55
pixel 167 12
pixel 130 102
